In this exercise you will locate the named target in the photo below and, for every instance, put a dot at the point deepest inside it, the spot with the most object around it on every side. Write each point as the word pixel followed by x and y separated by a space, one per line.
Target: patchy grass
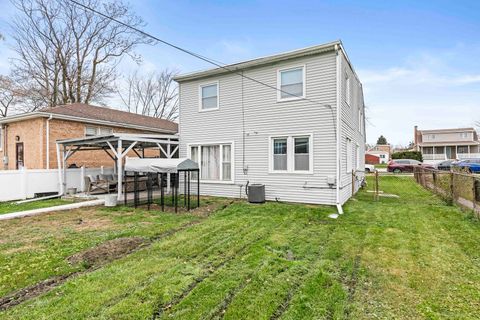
pixel 9 207
pixel 412 257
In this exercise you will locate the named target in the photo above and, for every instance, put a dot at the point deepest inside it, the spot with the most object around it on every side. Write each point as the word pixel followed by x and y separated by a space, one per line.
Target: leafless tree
pixel 67 54
pixel 7 95
pixel 154 94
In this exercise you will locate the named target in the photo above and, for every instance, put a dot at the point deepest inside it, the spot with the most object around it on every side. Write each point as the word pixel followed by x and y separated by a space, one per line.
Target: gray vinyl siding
pixel 349 124
pixel 265 118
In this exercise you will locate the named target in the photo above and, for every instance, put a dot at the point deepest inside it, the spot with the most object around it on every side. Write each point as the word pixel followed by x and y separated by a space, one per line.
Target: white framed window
pixel 105 131
pixel 215 161
pixel 464 135
pixel 209 97
pixel 291 154
pixel 357 156
pixel 360 120
pixel 97 131
pixel 349 156
pixel 348 89
pixel 90 131
pixel 291 83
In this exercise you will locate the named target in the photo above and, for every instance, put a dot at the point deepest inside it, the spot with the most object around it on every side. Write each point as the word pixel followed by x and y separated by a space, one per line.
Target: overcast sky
pixel 419 61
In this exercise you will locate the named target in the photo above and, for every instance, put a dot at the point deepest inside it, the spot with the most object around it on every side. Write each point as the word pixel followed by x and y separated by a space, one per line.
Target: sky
pixel 418 61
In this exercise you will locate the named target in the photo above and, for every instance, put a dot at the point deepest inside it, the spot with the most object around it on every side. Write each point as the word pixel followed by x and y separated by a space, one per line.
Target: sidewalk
pixel 34 212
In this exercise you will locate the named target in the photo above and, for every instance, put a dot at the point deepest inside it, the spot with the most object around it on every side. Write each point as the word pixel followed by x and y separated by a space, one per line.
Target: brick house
pixel 28 140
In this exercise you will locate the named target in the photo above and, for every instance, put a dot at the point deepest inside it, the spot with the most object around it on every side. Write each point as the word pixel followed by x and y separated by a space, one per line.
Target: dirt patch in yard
pixel 107 251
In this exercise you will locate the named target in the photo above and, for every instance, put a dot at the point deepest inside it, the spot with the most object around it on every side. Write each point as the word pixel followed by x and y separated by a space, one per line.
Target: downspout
pixel 48 141
pixel 339 113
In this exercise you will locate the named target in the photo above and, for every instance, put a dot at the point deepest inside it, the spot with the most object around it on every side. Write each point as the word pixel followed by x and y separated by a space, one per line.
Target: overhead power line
pixel 196 55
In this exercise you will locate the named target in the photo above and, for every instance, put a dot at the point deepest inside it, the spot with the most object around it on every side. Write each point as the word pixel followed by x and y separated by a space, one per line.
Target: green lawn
pixel 411 257
pixel 8 207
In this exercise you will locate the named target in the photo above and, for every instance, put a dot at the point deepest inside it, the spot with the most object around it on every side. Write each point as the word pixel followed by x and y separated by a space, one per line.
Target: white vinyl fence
pixel 25 183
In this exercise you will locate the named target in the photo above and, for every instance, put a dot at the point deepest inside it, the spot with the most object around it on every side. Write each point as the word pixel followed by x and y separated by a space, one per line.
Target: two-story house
pixel 292 121
pixel 447 144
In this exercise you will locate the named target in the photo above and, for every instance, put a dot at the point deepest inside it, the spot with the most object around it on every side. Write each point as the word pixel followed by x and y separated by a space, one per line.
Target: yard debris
pixel 333 216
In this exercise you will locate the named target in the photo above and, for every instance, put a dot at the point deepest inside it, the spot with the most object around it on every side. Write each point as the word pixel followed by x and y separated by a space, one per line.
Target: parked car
pixel 445 165
pixel 469 165
pixel 405 165
pixel 369 168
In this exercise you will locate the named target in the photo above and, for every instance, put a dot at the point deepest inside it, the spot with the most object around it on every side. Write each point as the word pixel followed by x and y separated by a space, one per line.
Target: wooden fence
pixel 455 187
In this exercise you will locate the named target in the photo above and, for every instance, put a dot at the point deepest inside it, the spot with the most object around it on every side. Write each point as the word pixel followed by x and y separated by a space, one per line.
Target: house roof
pixel 447 130
pixel 99 115
pixel 262 61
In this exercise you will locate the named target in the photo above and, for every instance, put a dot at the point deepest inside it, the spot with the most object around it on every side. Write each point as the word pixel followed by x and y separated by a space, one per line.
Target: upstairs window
pixel 348 90
pixel 209 97
pixel 464 135
pixel 291 83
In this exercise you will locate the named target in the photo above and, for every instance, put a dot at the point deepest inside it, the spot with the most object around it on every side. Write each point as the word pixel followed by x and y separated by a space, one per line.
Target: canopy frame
pixel 117 146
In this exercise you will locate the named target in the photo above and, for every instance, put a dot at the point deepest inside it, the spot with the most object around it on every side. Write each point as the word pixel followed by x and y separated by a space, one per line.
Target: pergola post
pixel 119 169
pixel 59 168
pixel 168 174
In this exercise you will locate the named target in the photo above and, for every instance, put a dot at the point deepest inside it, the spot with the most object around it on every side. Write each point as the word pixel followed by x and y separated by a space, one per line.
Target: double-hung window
pixel 215 161
pixel 348 90
pixel 349 156
pixel 209 97
pixel 291 154
pixel 291 83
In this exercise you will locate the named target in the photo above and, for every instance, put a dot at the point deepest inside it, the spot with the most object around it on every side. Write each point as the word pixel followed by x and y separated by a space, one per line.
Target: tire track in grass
pixel 177 299
pixel 200 255
pixel 47 285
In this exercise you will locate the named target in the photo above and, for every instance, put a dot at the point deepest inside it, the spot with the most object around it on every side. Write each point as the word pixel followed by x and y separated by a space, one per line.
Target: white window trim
pixel 348 89
pixel 200 109
pixel 232 160
pixel 279 83
pixel 98 130
pixel 290 154
pixel 349 160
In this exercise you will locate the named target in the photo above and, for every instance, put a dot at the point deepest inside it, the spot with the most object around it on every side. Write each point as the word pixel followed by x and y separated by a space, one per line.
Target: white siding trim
pixel 290 154
pixel 232 160
pixel 200 86
pixel 279 83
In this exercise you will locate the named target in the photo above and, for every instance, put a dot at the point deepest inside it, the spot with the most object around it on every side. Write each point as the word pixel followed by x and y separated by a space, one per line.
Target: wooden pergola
pixel 117 146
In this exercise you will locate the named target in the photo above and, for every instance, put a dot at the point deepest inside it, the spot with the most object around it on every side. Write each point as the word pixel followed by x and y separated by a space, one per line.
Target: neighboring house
pixel 447 144
pixel 28 140
pixel 383 151
pixel 301 132
pixel 371 159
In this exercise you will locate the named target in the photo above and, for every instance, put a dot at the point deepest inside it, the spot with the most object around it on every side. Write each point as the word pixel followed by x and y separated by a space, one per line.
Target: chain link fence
pixel 455 187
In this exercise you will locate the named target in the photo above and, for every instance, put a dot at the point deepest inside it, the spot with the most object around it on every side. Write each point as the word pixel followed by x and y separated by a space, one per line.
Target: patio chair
pixel 110 180
pixel 93 184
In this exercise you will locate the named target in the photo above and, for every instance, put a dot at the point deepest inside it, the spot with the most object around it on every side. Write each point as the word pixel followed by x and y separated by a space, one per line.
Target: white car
pixel 369 168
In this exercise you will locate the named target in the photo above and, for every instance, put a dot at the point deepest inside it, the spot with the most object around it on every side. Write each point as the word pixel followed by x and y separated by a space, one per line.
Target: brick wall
pixel 33 134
